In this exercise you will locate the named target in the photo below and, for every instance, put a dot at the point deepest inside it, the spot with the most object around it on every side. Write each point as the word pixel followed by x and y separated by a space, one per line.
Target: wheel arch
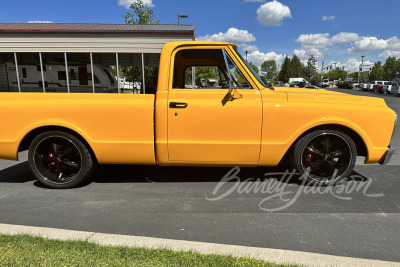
pixel 362 149
pixel 28 138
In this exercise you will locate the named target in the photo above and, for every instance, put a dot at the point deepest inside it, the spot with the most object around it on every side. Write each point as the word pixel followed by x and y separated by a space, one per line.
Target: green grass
pixel 23 250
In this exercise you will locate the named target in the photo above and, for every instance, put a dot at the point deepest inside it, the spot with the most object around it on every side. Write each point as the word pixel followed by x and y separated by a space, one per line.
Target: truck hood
pixel 303 90
pixel 325 96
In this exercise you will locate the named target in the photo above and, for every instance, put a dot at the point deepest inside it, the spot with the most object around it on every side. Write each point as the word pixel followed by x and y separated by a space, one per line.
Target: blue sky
pixel 342 30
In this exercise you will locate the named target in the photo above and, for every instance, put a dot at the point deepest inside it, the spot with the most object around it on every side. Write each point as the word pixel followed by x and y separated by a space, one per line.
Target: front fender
pixel 284 123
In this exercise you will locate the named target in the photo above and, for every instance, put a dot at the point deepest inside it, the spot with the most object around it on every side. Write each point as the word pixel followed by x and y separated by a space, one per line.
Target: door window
pixel 206 68
pixel 237 76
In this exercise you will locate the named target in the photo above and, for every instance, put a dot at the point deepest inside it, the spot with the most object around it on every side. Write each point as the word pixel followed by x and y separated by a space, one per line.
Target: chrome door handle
pixel 177 105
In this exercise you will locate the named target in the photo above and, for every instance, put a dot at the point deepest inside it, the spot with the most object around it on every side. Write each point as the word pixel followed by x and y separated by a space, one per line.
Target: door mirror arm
pixel 230 83
pixel 232 86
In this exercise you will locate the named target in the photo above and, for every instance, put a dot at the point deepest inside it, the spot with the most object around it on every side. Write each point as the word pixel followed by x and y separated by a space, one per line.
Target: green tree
pixel 255 68
pixel 269 68
pixel 310 71
pixel 377 72
pixel 284 72
pixel 389 68
pixel 397 67
pixel 207 72
pixel 354 75
pixel 295 67
pixel 336 74
pixel 141 14
pixel 263 79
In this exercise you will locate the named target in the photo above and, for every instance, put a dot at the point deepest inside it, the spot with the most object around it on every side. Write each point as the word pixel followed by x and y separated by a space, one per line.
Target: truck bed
pixel 118 127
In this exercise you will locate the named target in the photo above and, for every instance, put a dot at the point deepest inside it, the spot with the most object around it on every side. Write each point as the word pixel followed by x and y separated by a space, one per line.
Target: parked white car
pixel 387 87
pixel 325 83
pixel 373 84
pixel 363 86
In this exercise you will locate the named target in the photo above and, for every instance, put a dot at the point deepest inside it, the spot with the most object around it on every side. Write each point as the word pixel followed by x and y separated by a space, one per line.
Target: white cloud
pixel 337 65
pixel 320 43
pixel 345 37
pixel 301 53
pixel 367 44
pixel 311 44
pixel 258 57
pixel 394 43
pixel 392 49
pixel 272 13
pixel 323 40
pixel 325 18
pixel 128 3
pixel 389 53
pixel 247 47
pixel 304 54
pixel 389 47
pixel 40 21
pixel 319 40
pixel 352 64
pixel 232 35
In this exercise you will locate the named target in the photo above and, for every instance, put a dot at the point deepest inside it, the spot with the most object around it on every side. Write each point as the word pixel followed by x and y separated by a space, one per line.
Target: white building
pixel 40 53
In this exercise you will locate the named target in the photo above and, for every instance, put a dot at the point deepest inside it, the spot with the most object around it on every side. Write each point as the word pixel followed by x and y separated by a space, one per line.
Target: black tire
pixel 60 160
pixel 324 157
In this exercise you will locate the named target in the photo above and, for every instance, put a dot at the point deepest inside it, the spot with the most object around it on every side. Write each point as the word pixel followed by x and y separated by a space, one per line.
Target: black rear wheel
pixel 60 160
pixel 325 156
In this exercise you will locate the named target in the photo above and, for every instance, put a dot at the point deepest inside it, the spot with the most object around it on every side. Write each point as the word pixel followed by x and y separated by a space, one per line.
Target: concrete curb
pixel 274 255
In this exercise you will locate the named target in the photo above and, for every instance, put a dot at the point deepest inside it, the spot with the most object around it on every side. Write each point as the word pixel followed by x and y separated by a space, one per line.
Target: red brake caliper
pixel 52 163
pixel 308 159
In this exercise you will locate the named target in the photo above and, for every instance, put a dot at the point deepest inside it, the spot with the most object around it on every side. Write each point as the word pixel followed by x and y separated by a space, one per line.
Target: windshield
pixel 250 68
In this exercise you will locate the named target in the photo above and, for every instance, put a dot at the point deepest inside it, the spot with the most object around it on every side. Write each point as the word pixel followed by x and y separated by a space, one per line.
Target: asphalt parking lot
pixel 360 218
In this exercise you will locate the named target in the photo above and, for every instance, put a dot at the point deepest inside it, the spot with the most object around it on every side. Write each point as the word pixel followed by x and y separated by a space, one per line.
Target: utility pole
pixel 360 70
pixel 246 54
pixel 323 61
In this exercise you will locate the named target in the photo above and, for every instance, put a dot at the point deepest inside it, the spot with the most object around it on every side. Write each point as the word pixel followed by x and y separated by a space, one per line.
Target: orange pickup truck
pixel 234 121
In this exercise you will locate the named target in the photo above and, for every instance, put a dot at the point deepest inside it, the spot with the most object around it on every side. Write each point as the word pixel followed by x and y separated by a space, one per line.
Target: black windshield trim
pixel 250 68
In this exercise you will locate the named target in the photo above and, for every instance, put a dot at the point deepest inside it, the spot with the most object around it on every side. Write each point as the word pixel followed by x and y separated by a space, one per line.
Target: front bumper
pixel 388 155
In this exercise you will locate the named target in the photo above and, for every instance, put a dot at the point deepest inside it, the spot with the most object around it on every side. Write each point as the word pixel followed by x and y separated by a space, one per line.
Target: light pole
pixel 359 71
pixel 182 16
pixel 323 61
pixel 246 54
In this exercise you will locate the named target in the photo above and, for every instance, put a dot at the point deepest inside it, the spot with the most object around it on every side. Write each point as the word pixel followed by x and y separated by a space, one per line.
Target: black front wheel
pixel 324 157
pixel 60 160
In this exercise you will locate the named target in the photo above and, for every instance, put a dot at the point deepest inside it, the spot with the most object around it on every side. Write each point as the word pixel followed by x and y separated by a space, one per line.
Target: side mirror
pixel 236 94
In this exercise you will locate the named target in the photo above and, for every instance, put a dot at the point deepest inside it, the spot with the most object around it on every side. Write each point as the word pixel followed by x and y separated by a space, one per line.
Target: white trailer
pixel 298 80
pixel 55 77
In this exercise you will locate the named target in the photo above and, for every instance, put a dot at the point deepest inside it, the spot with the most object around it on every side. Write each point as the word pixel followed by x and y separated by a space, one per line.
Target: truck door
pixel 204 123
